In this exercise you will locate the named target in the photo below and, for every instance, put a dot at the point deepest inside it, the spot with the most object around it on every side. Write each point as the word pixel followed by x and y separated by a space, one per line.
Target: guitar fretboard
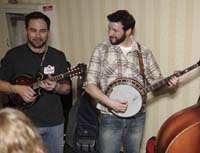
pixel 73 72
pixel 59 77
pixel 164 81
pixel 55 78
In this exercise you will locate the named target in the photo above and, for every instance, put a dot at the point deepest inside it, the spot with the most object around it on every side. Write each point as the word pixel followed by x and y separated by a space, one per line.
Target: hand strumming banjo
pixel 133 92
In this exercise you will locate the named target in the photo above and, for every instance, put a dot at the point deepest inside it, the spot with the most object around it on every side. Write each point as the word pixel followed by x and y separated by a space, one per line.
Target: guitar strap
pixel 43 57
pixel 141 64
pixel 39 74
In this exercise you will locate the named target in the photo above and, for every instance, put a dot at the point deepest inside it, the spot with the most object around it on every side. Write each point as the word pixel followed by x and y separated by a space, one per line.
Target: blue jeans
pixel 53 138
pixel 114 131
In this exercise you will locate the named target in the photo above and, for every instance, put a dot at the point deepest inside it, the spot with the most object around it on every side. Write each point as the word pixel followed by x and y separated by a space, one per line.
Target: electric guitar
pixel 23 79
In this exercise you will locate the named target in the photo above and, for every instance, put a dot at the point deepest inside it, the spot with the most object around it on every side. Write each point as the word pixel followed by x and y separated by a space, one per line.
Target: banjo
pixel 135 93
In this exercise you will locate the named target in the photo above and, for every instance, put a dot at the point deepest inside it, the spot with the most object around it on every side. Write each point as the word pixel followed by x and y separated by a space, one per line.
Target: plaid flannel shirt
pixel 108 63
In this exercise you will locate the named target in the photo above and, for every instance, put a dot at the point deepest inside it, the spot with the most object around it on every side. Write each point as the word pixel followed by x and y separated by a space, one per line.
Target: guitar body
pixel 27 81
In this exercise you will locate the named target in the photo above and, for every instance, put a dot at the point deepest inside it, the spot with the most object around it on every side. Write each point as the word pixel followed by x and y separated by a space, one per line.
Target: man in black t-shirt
pixel 30 59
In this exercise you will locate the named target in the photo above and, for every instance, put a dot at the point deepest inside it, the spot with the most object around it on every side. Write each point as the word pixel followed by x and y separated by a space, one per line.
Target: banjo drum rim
pixel 125 81
pixel 131 82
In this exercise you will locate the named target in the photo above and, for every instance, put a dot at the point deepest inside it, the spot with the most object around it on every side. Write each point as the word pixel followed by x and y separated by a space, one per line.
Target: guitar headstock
pixel 79 70
pixel 198 63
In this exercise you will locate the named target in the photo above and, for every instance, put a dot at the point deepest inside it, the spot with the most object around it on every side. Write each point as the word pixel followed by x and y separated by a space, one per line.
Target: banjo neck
pixel 164 81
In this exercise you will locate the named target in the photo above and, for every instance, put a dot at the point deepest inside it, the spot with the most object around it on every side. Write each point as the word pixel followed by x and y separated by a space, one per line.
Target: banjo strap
pixel 141 64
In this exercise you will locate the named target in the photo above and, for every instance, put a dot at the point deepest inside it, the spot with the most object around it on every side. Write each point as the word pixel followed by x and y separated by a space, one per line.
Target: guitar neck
pixel 164 81
pixel 59 77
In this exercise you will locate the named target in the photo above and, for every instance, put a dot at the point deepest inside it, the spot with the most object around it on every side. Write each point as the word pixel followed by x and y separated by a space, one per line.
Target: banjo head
pixel 128 90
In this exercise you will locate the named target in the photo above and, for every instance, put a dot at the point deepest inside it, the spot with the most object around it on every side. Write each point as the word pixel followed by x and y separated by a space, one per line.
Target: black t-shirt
pixel 47 110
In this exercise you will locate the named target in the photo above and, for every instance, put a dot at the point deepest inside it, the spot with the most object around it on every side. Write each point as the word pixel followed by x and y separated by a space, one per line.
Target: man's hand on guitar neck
pixel 48 84
pixel 173 82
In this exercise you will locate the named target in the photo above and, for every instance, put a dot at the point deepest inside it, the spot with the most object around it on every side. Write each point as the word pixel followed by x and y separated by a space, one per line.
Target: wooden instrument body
pixel 180 133
pixel 23 80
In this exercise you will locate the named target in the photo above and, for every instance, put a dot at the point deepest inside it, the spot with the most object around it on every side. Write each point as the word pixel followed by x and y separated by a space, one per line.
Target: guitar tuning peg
pixel 80 77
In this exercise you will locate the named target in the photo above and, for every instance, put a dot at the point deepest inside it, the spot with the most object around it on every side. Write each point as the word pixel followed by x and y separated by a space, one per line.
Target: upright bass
pixel 180 133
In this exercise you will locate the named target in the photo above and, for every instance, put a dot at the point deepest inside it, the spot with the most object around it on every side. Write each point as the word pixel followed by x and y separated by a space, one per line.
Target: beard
pixel 117 41
pixel 39 43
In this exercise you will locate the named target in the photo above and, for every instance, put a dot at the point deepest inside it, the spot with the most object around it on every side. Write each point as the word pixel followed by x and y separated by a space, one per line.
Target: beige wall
pixel 169 27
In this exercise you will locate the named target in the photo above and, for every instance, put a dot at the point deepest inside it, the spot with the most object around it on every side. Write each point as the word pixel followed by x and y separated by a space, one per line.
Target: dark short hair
pixel 37 15
pixel 124 17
